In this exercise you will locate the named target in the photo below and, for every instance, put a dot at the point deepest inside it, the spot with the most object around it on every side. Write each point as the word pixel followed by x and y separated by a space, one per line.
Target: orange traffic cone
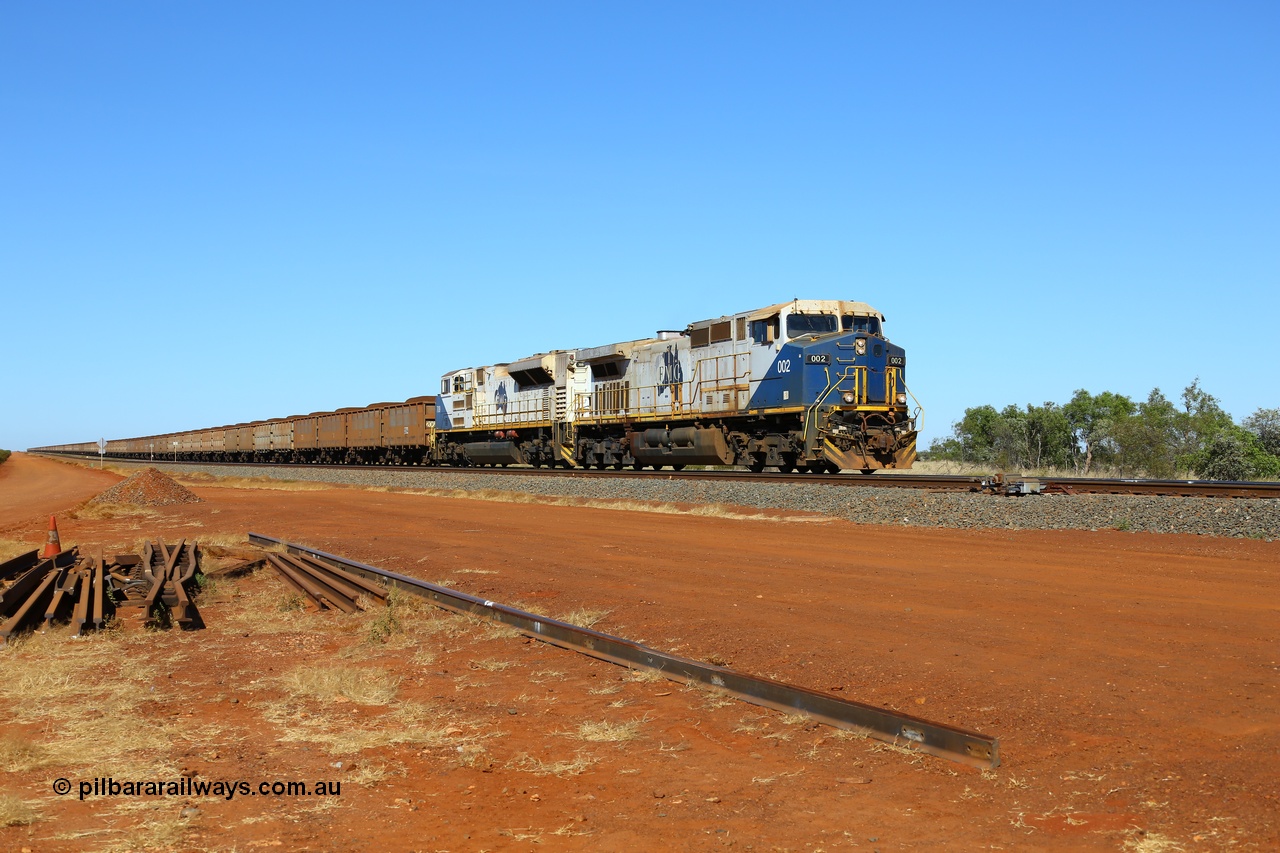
pixel 54 546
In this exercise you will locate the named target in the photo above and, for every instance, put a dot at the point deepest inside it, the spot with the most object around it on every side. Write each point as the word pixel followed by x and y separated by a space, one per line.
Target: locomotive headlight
pixel 902 399
pixel 860 346
pixel 848 398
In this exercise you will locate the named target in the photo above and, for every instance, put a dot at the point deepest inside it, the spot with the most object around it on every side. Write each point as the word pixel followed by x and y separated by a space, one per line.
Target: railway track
pixel 989 483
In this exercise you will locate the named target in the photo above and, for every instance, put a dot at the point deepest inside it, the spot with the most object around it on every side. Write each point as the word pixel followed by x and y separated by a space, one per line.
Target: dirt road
pixel 34 486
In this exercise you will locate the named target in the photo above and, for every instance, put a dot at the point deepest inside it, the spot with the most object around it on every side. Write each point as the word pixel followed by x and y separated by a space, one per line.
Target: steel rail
pixel 327 580
pixel 323 595
pixel 30 607
pixel 940 482
pixel 950 742
pixel 20 563
pixel 80 614
pixel 362 584
pixel 63 587
pixel 98 569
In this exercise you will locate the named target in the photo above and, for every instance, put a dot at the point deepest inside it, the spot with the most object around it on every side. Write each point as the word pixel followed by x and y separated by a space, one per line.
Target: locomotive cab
pixel 834 361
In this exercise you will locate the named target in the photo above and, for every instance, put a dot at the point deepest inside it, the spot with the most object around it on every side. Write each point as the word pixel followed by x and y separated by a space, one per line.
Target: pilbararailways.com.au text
pixel 194 787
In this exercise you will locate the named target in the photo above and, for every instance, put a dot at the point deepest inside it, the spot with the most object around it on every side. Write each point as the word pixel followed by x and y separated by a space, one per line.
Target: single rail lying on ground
pixel 950 742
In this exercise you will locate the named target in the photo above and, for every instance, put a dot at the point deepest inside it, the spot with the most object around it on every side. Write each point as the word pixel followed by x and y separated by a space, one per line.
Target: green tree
pixel 1093 422
pixel 1265 425
pixel 1226 457
pixel 1237 454
pixel 974 435
pixel 1149 441
pixel 1204 420
pixel 1009 438
pixel 1154 438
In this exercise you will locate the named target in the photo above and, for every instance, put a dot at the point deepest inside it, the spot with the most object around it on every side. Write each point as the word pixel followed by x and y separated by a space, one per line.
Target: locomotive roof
pixel 610 351
pixel 830 306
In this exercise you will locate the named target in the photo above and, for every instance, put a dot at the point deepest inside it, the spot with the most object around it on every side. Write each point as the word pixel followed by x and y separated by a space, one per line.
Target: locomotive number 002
pixel 817 358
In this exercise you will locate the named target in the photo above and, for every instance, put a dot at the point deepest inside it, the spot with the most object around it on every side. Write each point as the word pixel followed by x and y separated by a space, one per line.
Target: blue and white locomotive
pixel 803 385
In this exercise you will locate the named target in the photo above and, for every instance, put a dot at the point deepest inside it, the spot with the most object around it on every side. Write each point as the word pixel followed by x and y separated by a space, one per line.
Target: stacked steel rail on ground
pixel 87 591
pixel 326 586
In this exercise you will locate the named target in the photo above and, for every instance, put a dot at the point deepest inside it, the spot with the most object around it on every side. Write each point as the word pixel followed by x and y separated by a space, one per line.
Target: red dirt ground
pixel 1131 679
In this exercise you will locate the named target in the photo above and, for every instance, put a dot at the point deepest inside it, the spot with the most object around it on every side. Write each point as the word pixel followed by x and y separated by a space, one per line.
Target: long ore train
pixel 803 385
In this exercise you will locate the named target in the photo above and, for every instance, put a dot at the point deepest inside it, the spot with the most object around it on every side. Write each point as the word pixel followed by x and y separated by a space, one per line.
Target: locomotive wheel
pixel 868 470
pixel 677 467
pixel 617 466
pixel 637 466
pixel 756 465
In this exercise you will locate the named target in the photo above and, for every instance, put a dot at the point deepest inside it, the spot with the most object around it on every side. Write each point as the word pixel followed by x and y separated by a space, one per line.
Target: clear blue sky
pixel 220 212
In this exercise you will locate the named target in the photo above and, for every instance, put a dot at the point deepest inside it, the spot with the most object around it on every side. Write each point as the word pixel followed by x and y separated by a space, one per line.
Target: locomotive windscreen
pixel 854 323
pixel 810 324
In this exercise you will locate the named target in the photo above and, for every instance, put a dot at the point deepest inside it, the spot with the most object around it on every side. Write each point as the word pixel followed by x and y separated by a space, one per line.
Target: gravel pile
pixel 1236 517
pixel 148 487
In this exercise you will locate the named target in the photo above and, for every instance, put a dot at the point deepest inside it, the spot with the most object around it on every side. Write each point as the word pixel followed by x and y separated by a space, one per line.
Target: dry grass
pixel 752 724
pixel 1142 841
pixel 15 812
pixel 270 608
pixel 500 496
pixel 363 685
pixel 19 754
pixel 338 733
pixel 109 510
pixel 542 676
pixel 575 766
pixel 644 676
pixel 234 541
pixel 492 665
pixel 970 469
pixel 604 731
pixel 200 478
pixel 585 617
pixel 160 833
pixel 658 507
pixel 367 774
pixel 10 548
pixel 606 689
pixel 86 697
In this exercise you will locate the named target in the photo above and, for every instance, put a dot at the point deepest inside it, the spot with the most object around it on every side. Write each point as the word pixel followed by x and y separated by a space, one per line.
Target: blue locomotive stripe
pixel 782 382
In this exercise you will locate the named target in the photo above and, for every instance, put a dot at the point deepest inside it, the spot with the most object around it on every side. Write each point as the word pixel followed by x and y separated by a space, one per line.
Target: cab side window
pixel 764 331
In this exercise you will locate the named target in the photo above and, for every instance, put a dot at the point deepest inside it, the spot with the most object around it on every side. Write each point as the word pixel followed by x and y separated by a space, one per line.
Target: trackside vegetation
pixel 1092 433
pixel 4 454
